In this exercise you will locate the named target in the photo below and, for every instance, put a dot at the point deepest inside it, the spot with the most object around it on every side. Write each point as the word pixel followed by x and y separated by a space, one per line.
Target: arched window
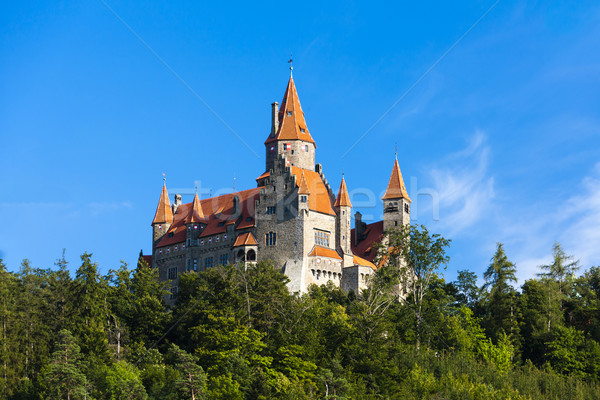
pixel 251 255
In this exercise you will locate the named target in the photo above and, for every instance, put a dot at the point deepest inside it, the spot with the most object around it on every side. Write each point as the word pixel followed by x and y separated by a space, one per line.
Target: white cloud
pixel 465 189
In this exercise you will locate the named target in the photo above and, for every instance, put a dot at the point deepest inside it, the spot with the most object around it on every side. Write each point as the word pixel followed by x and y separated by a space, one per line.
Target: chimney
pixel 359 228
pixel 274 118
pixel 177 203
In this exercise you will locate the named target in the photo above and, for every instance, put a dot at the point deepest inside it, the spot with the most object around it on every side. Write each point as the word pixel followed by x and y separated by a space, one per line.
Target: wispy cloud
pixel 464 186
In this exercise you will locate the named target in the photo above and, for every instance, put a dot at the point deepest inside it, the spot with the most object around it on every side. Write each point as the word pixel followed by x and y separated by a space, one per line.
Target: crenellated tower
pixel 396 203
pixel 289 133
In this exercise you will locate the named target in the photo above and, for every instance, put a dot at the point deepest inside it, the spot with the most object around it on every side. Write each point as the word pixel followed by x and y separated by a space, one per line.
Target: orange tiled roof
pixel 291 127
pixel 373 234
pixel 218 214
pixel 195 214
pixel 303 188
pixel 245 239
pixel 342 198
pixel 319 199
pixel 163 211
pixel 324 252
pixel 365 263
pixel 396 188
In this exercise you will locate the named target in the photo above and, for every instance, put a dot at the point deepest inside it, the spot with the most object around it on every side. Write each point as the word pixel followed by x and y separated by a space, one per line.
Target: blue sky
pixel 498 142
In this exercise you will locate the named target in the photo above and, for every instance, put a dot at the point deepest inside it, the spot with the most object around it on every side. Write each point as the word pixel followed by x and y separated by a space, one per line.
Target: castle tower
pixel 396 203
pixel 163 218
pixel 289 134
pixel 343 207
pixel 303 197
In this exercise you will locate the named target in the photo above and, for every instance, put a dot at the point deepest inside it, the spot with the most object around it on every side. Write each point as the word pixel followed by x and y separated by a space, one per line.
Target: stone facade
pixel 292 218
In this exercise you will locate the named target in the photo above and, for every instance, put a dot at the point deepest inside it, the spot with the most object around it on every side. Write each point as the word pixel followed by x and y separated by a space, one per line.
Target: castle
pixel 292 217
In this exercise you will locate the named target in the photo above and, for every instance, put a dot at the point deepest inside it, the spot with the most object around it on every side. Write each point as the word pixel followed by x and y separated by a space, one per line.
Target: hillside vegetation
pixel 238 333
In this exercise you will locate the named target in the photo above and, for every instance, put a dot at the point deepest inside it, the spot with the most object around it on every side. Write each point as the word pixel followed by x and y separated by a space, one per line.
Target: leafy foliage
pixel 238 333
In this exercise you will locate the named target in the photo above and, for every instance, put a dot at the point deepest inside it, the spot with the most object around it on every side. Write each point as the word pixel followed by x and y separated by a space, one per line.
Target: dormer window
pixel 303 199
pixel 289 113
pixel 171 234
pixel 302 130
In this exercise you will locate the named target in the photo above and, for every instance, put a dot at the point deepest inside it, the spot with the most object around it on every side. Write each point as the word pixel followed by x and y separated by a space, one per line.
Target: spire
pixel 303 189
pixel 196 214
pixel 164 214
pixel 396 188
pixel 292 125
pixel 342 198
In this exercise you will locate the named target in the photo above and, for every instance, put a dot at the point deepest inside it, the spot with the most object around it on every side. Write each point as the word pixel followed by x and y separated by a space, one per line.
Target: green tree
pixel 193 379
pixel 418 255
pixel 502 312
pixel 91 309
pixel 63 375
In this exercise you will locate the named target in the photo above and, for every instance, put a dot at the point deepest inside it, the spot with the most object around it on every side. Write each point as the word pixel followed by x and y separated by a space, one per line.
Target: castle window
pixel 223 259
pixel 202 242
pixel 271 239
pixel 303 199
pixel 189 264
pixel 302 130
pixel 160 251
pixel 306 148
pixel 217 238
pixel 322 238
pixel 289 113
pixel 183 246
pixel 195 226
pixel 406 208
pixel 208 262
pixel 160 227
pixel 225 237
pixel 172 273
pixel 271 210
pixel 272 148
pixel 171 234
pixel 249 219
pixel 287 146
pixel 395 223
pixel 292 151
pixel 189 228
pixel 173 292
pixel 195 264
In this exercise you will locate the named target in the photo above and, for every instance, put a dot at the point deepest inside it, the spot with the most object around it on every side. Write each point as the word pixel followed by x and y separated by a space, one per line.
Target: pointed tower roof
pixel 342 198
pixel 163 211
pixel 196 214
pixel 303 187
pixel 292 125
pixel 396 188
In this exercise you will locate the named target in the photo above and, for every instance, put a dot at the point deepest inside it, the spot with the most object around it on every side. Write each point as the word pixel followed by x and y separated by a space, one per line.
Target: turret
pixel 343 208
pixel 303 196
pixel 193 219
pixel 163 218
pixel 289 133
pixel 396 203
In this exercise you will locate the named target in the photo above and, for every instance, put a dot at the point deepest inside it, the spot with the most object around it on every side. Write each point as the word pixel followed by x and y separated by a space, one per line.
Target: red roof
pixel 163 210
pixel 292 125
pixel 218 214
pixel 324 252
pixel 303 187
pixel 373 234
pixel 342 198
pixel 245 239
pixel 396 188
pixel 195 214
pixel 147 259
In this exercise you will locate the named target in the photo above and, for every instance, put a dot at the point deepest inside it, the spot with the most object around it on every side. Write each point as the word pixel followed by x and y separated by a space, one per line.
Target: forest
pixel 238 333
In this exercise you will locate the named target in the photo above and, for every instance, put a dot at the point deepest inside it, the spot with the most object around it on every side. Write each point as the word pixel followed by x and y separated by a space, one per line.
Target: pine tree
pixel 502 299
pixel 193 379
pixel 63 375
